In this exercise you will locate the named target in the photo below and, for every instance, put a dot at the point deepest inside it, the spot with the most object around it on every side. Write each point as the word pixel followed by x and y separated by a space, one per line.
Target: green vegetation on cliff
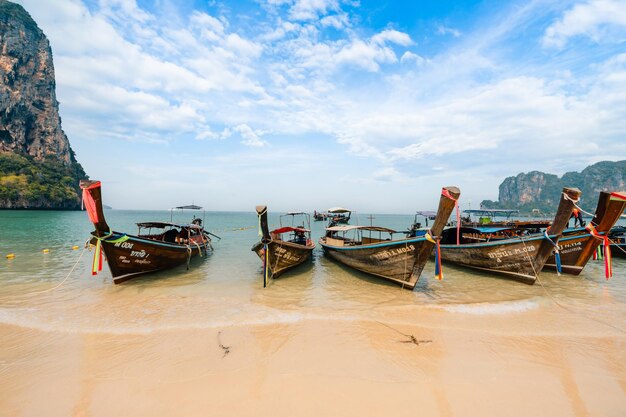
pixel 26 183
pixel 538 190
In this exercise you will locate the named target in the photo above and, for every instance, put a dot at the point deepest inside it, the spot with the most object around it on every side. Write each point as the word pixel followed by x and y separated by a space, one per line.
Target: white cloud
pixel 443 30
pixel 392 36
pixel 365 55
pixel 249 136
pixel 387 174
pixel 311 9
pixel 337 21
pixel 596 19
pixel 409 56
pixel 320 78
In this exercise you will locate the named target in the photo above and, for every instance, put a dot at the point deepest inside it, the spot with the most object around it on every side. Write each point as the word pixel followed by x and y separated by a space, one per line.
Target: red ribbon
pixel 608 264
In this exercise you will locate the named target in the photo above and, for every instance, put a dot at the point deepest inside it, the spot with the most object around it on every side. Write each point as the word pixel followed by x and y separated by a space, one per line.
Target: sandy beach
pixel 543 362
pixel 320 341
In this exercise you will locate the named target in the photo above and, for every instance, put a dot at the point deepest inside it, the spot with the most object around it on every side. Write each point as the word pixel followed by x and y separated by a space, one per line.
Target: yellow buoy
pixel 10 256
pixel 46 250
pixel 74 247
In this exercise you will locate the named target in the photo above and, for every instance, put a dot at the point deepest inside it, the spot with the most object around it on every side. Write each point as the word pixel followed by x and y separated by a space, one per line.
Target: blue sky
pixel 308 104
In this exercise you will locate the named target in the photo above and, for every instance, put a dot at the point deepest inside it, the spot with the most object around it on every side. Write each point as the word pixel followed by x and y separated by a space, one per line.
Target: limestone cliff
pixel 30 126
pixel 538 190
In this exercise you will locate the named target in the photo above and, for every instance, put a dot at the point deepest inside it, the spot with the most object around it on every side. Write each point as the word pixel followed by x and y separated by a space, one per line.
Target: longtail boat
pixel 578 245
pixel 338 215
pixel 398 260
pixel 501 218
pixel 511 253
pixel 131 255
pixel 285 247
pixel 318 216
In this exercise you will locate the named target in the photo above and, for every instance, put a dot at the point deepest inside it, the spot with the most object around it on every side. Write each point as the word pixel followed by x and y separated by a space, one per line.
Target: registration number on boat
pixel 124 245
pixel 504 253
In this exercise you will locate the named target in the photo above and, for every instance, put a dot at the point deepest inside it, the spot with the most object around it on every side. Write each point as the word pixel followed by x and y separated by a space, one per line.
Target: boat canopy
pixel 347 228
pixel 339 210
pixel 189 207
pixel 163 225
pixel 492 212
pixel 286 229
pixel 426 213
pixel 486 229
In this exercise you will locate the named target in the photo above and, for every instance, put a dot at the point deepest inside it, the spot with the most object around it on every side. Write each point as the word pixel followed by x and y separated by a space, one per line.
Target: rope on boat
pixel 67 276
pixel 97 255
pixel 199 250
pixel 574 202
pixel 617 245
pixel 557 255
pixel 564 307
pixel 608 262
pixel 447 194
pixel 437 241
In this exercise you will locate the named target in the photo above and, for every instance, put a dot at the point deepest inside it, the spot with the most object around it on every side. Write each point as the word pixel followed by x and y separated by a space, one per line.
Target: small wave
pixel 493 308
pixel 24 319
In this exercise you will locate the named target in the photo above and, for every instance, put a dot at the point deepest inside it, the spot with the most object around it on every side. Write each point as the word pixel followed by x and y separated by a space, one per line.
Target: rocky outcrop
pixel 30 125
pixel 538 190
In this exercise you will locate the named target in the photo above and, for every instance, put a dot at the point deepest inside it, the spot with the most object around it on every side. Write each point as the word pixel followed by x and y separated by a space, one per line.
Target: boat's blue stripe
pixel 117 235
pixel 378 245
pixel 494 243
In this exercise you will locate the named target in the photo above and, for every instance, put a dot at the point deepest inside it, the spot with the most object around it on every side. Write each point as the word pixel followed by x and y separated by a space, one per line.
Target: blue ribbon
pixel 557 255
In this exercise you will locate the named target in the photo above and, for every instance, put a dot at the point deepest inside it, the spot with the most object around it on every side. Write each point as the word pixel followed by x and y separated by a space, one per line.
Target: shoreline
pixel 512 364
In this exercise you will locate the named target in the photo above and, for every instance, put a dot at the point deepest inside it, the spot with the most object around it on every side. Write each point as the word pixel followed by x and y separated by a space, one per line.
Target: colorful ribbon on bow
pixel 446 193
pixel 266 263
pixel 438 268
pixel 597 254
pixel 97 255
pixel 606 246
pixel 557 255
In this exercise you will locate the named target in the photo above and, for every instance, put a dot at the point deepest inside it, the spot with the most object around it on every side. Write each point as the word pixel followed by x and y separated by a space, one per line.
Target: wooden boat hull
pixel 571 249
pixel 129 256
pixel 283 256
pixel 399 261
pixel 577 246
pixel 517 258
pixel 137 255
pixel 512 258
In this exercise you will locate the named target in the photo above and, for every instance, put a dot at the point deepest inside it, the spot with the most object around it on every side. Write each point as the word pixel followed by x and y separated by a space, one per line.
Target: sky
pixel 309 104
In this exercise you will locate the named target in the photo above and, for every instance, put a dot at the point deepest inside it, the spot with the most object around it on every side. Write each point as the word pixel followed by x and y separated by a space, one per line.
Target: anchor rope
pixel 617 245
pixel 557 255
pixel 66 277
pixel 564 307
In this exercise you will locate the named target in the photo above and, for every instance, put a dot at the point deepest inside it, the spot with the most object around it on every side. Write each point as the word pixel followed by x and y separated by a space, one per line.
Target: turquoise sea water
pixel 56 291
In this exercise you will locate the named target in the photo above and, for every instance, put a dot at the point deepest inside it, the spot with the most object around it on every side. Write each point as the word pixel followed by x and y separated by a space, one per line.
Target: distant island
pixel 38 169
pixel 538 191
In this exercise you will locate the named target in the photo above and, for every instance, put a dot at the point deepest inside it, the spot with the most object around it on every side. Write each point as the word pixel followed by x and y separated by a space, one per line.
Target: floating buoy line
pixel 76 247
pixel 12 255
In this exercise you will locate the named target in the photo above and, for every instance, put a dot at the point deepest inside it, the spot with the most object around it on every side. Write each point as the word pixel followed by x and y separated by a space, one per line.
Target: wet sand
pixel 542 362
